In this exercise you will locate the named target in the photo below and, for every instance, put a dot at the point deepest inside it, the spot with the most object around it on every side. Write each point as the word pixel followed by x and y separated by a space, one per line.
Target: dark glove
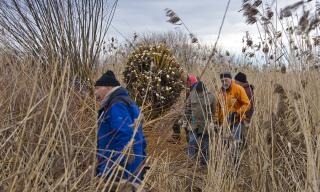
pixel 233 118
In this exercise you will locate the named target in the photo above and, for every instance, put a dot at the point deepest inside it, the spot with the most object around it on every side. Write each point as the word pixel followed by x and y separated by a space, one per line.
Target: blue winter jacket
pixel 116 119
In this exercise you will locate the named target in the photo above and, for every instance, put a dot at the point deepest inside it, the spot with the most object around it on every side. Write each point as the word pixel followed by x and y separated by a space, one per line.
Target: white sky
pixel 203 17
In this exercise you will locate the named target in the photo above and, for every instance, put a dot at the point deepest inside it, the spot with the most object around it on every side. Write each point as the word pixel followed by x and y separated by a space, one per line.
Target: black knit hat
pixel 241 77
pixel 225 75
pixel 107 79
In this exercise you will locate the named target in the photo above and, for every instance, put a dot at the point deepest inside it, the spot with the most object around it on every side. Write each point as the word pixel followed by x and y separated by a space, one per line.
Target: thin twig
pixel 215 44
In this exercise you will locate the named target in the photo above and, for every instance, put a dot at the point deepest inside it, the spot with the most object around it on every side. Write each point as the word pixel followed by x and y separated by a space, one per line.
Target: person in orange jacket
pixel 232 105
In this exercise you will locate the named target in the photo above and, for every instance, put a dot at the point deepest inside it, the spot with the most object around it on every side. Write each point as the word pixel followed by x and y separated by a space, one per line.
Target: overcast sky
pixel 203 17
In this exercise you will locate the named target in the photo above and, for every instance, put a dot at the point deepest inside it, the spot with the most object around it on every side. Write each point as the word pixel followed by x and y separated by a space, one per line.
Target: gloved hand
pixel 184 124
pixel 233 118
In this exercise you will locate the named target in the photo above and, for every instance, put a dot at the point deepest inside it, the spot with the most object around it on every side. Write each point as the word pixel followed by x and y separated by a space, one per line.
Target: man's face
pixel 101 92
pixel 226 82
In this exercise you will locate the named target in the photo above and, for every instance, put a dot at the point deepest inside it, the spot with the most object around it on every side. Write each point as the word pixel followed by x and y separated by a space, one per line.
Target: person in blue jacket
pixel 121 143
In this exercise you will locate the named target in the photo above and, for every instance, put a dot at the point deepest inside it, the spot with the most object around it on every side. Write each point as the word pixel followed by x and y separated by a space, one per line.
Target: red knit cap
pixel 191 80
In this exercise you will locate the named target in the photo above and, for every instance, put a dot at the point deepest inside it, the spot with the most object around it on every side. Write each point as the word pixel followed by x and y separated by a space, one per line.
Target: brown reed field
pixel 48 120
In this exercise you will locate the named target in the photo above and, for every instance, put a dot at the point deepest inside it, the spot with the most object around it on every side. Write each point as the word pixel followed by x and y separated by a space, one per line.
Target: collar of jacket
pixel 114 91
pixel 247 86
pixel 244 85
pixel 193 86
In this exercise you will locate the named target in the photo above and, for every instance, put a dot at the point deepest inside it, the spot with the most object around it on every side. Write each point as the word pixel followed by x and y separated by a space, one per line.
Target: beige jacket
pixel 202 107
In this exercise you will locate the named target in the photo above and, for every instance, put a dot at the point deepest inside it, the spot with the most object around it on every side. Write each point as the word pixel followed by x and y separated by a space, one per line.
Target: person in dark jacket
pixel 203 105
pixel 121 143
pixel 241 79
pixel 181 120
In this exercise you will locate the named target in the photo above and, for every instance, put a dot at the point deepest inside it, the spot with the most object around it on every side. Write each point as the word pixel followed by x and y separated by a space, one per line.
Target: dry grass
pixel 48 132
pixel 48 123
